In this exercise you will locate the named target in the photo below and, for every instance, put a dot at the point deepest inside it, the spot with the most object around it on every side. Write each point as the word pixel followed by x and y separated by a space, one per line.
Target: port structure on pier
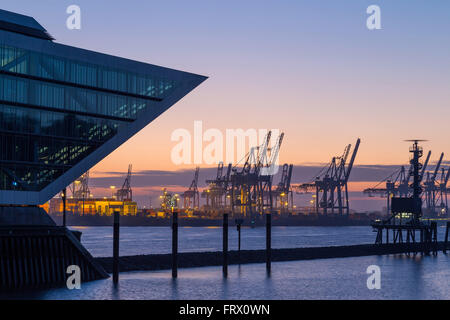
pixel 406 223
pixel 433 182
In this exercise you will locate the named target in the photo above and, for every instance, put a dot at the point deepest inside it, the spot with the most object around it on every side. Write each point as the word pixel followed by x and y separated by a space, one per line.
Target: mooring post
pixel 174 244
pixel 446 237
pixel 238 228
pixel 64 207
pixel 422 244
pixel 434 238
pixel 116 246
pixel 239 241
pixel 225 245
pixel 268 242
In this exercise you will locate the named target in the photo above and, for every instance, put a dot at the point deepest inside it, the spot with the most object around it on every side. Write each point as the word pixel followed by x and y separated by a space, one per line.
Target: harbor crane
pixel 434 194
pixel 168 201
pixel 80 187
pixel 251 186
pixel 216 194
pixel 192 195
pixel 126 193
pixel 431 189
pixel 331 184
pixel 443 191
pixel 283 194
pixel 80 190
pixel 398 186
pixel 406 212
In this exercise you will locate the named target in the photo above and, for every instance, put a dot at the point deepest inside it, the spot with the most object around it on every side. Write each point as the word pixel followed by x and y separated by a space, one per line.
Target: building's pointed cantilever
pixel 63 109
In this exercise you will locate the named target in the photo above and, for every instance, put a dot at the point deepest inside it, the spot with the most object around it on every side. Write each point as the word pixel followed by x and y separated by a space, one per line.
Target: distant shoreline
pixel 136 221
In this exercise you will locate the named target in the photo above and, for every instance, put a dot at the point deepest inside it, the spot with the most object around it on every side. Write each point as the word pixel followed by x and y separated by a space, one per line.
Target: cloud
pixel 147 184
pixel 301 173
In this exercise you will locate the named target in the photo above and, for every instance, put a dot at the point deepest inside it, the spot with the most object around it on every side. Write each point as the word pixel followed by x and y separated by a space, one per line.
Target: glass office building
pixel 63 109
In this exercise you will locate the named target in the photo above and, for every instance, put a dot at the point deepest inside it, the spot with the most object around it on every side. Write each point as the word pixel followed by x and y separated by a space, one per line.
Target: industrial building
pixel 93 206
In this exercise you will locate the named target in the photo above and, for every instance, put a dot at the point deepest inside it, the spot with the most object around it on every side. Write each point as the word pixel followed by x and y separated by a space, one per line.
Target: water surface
pixel 344 278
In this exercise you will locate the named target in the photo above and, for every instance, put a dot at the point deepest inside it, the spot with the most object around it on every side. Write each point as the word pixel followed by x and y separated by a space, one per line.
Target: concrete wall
pixel 24 216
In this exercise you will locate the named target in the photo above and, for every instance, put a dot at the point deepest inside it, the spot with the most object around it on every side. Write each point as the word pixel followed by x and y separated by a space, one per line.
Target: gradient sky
pixel 310 68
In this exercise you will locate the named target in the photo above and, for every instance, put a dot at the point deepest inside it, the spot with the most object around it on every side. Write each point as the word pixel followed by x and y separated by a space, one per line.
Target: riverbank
pixel 141 221
pixel 154 262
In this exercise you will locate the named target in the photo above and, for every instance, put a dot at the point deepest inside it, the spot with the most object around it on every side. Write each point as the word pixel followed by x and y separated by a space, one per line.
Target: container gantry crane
pixel 80 191
pixel 431 189
pixel 331 184
pixel 126 193
pixel 216 194
pixel 283 194
pixel 443 191
pixel 251 187
pixel 192 195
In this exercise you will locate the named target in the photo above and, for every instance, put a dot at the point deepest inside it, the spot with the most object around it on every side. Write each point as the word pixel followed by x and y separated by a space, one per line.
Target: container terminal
pixel 248 191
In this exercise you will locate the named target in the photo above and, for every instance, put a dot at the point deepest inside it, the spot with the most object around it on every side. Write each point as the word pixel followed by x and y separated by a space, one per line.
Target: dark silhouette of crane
pixel 431 189
pixel 126 193
pixel 398 186
pixel 406 212
pixel 251 185
pixel 216 194
pixel 435 191
pixel 192 196
pixel 283 194
pixel 80 191
pixel 443 191
pixel 331 184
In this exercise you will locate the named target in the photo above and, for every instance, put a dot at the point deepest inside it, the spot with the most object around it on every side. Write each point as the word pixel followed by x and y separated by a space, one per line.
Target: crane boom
pixel 352 160
pixel 269 170
pixel 447 177
pixel 425 164
pixel 436 170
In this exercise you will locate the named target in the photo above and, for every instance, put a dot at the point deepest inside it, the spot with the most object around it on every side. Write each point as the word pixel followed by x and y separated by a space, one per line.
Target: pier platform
pixel 205 259
pixel 38 256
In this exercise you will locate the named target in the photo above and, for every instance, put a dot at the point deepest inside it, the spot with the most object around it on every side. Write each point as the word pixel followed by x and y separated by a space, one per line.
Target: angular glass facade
pixel 63 109
pixel 55 111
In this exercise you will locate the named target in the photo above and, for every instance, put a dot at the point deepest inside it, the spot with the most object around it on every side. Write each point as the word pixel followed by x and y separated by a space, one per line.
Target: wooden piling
pixel 174 244
pixel 239 240
pixel 268 242
pixel 225 245
pixel 116 247
pixel 446 238
pixel 434 237
pixel 64 207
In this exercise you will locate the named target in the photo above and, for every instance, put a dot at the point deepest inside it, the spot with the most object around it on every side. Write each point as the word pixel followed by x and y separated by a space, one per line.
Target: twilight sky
pixel 310 68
